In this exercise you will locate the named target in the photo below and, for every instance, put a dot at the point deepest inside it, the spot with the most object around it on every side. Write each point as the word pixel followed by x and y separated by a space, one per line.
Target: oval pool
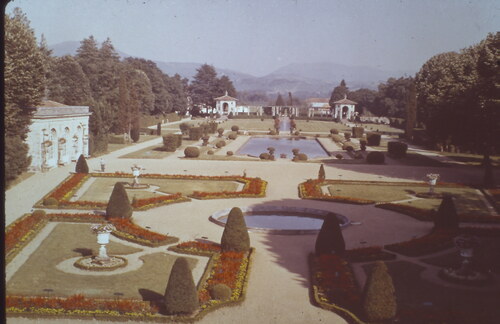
pixel 280 219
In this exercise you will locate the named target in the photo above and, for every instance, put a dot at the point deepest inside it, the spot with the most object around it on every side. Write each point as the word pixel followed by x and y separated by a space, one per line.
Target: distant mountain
pixel 302 79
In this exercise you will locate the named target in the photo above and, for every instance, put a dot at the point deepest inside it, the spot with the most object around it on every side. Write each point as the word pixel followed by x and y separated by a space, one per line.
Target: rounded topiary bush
pixel 334 131
pixel 232 136
pixel 235 128
pixel 357 132
pixel 170 142
pixel 119 204
pixel 220 144
pixel 210 152
pixel 397 150
pixel 348 146
pixel 375 157
pixel 339 156
pixel 191 152
pixel 181 296
pixel 271 132
pixel 235 236
pixel 220 131
pixel 220 292
pixel 338 138
pixel 330 238
pixel 205 140
pixel 39 213
pixel 264 156
pixel 81 165
pixel 347 135
pixel 379 298
pixel 302 156
pixel 229 153
pixel 51 201
pixel 373 139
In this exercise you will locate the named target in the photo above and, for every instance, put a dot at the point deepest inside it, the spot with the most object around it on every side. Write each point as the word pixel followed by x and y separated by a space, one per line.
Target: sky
pixel 259 36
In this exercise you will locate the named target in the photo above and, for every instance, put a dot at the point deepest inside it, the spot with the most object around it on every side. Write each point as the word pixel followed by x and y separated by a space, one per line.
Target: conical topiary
pixel 379 298
pixel 119 204
pixel 330 238
pixel 181 296
pixel 81 165
pixel 321 173
pixel 446 216
pixel 235 236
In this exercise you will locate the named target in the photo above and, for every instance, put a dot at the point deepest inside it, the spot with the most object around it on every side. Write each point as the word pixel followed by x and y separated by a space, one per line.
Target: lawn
pixel 101 188
pixel 155 151
pixel 66 241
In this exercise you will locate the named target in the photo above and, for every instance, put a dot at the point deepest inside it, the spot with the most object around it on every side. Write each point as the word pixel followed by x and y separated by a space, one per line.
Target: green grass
pixel 155 151
pixel 100 190
pixel 39 272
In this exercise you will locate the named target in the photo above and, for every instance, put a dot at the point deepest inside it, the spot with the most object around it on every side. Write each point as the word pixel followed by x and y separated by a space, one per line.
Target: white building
pixel 225 105
pixel 58 135
pixel 318 107
pixel 344 108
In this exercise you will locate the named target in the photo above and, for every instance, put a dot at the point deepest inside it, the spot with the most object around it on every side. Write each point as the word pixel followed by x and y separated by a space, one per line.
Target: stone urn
pixel 103 232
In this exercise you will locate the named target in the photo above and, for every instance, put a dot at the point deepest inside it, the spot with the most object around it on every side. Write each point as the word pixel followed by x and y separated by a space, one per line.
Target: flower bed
pixel 435 241
pixel 368 254
pixel 334 286
pixel 21 232
pixel 311 189
pixel 253 187
pixel 229 268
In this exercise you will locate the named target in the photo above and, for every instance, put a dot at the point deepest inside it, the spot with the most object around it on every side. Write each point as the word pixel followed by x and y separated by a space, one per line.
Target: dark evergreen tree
pixel 235 236
pixel 411 111
pixel 446 216
pixel 330 238
pixel 81 165
pixel 119 204
pixel 225 84
pixel 67 83
pixel 178 90
pixel 339 92
pixel 279 101
pixel 204 87
pixel 321 173
pixel 181 296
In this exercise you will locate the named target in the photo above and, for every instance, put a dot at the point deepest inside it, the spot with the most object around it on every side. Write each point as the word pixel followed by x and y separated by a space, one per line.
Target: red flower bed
pixel 199 246
pixel 254 187
pixel 158 200
pixel 19 231
pixel 227 269
pixel 69 185
pixel 435 241
pixel 311 189
pixel 126 226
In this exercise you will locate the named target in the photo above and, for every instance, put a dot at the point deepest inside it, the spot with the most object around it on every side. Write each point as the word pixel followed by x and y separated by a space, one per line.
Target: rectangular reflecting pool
pixel 283 145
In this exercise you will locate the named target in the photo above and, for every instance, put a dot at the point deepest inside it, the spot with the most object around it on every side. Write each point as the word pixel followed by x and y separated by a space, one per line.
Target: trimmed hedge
pixel 195 133
pixel 220 144
pixel 397 150
pixel 379 297
pixel 232 136
pixel 191 152
pixel 81 165
pixel 357 132
pixel 375 157
pixel 235 236
pixel 119 204
pixel 373 139
pixel 301 157
pixel 347 135
pixel 235 128
pixel 334 131
pixel 181 296
pixel 170 142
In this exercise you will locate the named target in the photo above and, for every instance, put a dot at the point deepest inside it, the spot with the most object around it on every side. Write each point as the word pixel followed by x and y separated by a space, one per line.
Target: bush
pixel 51 201
pixel 81 165
pixel 39 213
pixel 397 150
pixel 235 128
pixel 375 157
pixel 135 134
pixel 210 152
pixel 446 216
pixel 348 146
pixel 347 135
pixel 220 131
pixel 337 138
pixel 119 204
pixel 339 156
pixel 158 129
pixel 357 132
pixel 271 150
pixel 295 151
pixel 229 153
pixel 184 127
pixel 321 173
pixel 191 152
pixel 181 296
pixel 179 140
pixel 235 236
pixel 334 131
pixel 232 136
pixel 330 238
pixel 220 292
pixel 264 156
pixel 220 144
pixel 170 142
pixel 373 139
pixel 301 157
pixel 379 299
pixel 195 133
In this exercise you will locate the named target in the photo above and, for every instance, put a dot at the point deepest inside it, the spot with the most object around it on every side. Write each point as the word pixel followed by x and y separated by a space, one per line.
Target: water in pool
pixel 282 222
pixel 283 145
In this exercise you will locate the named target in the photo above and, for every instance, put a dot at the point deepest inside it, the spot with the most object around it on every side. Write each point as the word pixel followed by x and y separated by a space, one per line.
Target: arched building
pixel 225 105
pixel 344 108
pixel 58 135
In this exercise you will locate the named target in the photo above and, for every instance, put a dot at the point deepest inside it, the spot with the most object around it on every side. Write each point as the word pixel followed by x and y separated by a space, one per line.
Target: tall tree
pixel 392 97
pixel 67 83
pixel 411 110
pixel 365 99
pixel 24 82
pixel 204 87
pixel 339 92
pixel 279 101
pixel 225 84
pixel 178 90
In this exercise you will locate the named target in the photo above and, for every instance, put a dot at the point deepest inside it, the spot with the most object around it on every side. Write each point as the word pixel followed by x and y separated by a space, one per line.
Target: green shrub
pixel 295 151
pixel 330 238
pixel 348 146
pixel 235 128
pixel 321 173
pixel 179 140
pixel 334 131
pixel 375 157
pixel 220 144
pixel 397 150
pixel 301 157
pixel 337 138
pixel 181 296
pixel 379 298
pixel 264 156
pixel 220 292
pixel 229 153
pixel 119 204
pixel 135 134
pixel 116 139
pixel 170 142
pixel 235 236
pixel 184 127
pixel 51 201
pixel 339 156
pixel 220 131
pixel 357 132
pixel 446 216
pixel 373 139
pixel 232 136
pixel 210 152
pixel 347 135
pixel 195 133
pixel 191 152
pixel 81 165
pixel 39 212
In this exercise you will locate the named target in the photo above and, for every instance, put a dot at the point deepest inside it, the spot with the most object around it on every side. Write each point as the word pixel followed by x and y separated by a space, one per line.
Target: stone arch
pixel 54 144
pixel 225 107
pixel 345 112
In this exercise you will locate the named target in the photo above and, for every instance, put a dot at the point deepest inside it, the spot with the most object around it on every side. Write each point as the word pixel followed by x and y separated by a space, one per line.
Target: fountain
pixel 465 274
pixel 432 179
pixel 102 261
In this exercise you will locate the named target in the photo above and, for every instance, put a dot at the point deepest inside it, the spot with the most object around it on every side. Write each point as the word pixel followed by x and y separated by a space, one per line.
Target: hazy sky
pixel 259 36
